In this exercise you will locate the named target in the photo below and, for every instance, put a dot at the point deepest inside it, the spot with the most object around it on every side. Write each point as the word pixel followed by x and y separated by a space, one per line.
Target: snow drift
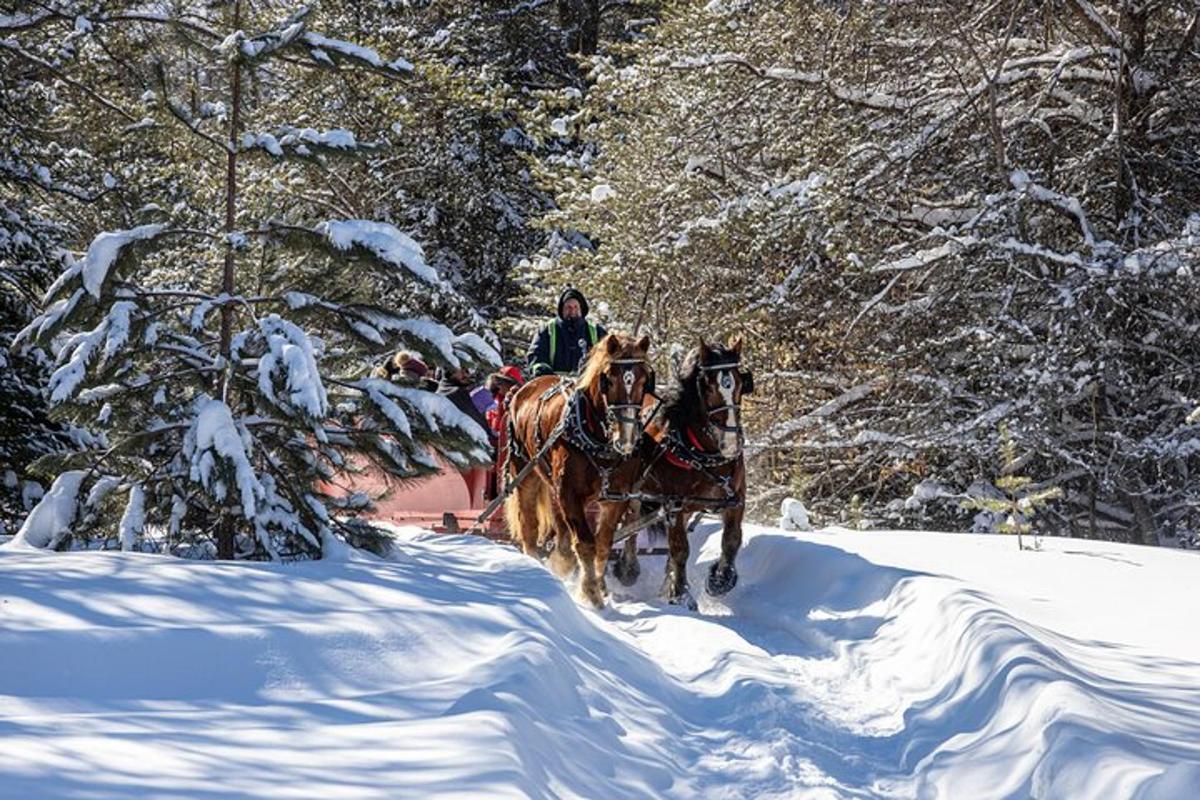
pixel 843 665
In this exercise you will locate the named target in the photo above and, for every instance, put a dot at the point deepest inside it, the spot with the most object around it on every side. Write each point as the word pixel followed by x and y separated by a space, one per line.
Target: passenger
pixel 560 346
pixel 455 386
pixel 405 366
pixel 501 385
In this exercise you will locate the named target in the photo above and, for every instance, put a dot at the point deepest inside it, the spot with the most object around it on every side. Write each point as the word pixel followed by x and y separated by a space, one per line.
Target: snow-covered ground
pixel 843 665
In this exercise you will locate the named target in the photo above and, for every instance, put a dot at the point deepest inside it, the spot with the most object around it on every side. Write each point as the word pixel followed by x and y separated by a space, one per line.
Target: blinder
pixel 747 387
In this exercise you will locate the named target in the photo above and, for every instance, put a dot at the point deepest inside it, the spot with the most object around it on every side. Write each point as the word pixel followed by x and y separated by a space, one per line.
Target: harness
pixel 584 431
pixel 683 449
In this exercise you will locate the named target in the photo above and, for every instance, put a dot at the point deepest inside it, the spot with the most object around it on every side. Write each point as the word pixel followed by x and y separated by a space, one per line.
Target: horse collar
pixel 579 421
pixel 684 450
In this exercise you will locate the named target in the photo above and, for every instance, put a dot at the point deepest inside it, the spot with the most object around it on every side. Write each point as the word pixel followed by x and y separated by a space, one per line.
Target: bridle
pixel 627 413
pixel 713 428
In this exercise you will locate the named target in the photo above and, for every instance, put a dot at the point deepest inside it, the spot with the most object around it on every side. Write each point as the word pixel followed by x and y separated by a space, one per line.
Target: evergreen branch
pixel 178 113
pixel 12 46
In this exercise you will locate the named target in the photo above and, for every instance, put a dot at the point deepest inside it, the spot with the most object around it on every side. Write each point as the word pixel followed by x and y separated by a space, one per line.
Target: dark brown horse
pixel 596 419
pixel 691 460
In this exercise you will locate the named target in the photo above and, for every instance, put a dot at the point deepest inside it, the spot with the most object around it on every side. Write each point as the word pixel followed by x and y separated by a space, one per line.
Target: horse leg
pixel 723 575
pixel 585 548
pixel 606 524
pixel 521 514
pixel 675 587
pixel 562 555
pixel 626 568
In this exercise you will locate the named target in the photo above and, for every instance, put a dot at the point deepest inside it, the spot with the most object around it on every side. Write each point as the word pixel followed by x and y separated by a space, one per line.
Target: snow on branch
pixel 429 410
pixel 923 258
pixel 78 352
pixel 105 251
pixel 254 48
pixel 815 417
pixel 381 241
pixel 51 519
pixel 25 19
pixel 307 143
pixel 218 449
pixel 1068 205
pixel 1092 16
pixel 133 521
pixel 288 376
pixel 433 340
pixel 857 96
pixel 331 52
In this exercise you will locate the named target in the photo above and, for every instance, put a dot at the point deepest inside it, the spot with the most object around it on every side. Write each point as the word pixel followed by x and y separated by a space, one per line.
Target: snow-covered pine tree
pixel 223 345
pixel 38 171
pixel 28 257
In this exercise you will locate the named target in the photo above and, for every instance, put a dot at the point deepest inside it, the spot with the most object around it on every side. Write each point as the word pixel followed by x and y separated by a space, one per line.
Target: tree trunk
pixel 225 532
pixel 1130 103
pixel 580 21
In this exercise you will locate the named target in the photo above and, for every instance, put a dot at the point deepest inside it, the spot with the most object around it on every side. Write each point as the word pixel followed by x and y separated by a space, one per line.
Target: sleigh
pixel 448 501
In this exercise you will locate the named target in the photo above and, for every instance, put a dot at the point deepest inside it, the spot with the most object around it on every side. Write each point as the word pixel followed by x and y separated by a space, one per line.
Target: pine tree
pixel 1019 503
pixel 28 254
pixel 223 346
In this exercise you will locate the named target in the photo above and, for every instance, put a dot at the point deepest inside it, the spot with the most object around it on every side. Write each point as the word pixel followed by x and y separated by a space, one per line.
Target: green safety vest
pixel 554 339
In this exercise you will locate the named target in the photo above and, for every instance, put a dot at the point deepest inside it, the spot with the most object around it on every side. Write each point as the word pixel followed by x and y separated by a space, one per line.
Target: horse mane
pixel 682 402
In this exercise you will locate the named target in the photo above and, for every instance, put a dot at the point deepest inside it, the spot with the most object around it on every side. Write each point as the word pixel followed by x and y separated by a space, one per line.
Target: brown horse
pixel 596 419
pixel 691 460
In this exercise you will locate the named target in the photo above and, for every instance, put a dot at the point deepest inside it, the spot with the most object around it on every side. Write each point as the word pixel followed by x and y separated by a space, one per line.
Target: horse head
pixel 720 383
pixel 617 378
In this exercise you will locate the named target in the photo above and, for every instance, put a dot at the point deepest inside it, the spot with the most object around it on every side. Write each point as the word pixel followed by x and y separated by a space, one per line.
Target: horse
pixel 691 460
pixel 595 422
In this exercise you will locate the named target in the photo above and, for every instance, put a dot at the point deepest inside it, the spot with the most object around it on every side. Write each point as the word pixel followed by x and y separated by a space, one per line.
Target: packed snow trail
pixel 843 665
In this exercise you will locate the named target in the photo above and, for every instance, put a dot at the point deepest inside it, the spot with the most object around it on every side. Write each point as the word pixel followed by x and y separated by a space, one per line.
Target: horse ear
pixel 643 344
pixel 736 344
pixel 705 350
pixel 611 344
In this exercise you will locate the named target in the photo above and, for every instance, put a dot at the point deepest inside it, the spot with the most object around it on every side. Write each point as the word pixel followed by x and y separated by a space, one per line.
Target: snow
pixel 291 360
pixel 215 442
pixel 844 664
pixel 602 192
pixel 298 139
pixel 75 354
pixel 134 518
pixel 50 520
pixel 793 516
pixel 437 412
pixel 104 250
pixel 378 390
pixel 385 241
pixel 118 326
pixel 321 46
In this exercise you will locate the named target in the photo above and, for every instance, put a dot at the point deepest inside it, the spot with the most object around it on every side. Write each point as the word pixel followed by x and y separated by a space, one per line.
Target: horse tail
pixel 545 517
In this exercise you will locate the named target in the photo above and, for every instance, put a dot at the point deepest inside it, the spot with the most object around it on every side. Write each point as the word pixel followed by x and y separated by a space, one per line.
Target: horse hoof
pixel 561 564
pixel 721 579
pixel 626 572
pixel 685 599
pixel 678 594
pixel 593 598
